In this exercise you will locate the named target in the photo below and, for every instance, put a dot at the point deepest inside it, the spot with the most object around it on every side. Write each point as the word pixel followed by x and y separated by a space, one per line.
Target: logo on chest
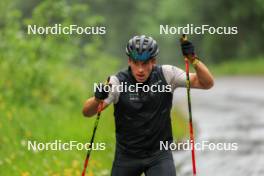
pixel 134 96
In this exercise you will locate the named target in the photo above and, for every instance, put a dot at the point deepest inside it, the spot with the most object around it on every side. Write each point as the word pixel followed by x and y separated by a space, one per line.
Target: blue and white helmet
pixel 142 48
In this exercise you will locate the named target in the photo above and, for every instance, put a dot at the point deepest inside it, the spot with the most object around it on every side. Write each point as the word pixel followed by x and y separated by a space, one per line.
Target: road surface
pixel 231 112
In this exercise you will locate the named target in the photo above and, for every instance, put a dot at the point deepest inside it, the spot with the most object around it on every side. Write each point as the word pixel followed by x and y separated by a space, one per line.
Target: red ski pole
pixel 86 162
pixel 99 110
pixel 188 83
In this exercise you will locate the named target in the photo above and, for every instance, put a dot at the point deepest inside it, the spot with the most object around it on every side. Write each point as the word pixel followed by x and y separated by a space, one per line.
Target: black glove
pixel 101 92
pixel 187 48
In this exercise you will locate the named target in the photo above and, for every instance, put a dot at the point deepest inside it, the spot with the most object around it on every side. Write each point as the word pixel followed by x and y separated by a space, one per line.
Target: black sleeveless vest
pixel 142 119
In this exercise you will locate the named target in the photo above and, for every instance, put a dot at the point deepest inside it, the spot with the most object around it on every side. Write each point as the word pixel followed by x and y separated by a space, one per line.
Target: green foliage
pixel 127 18
pixel 245 67
pixel 44 82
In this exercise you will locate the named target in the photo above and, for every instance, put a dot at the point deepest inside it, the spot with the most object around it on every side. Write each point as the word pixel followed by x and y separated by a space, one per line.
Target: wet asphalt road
pixel 231 112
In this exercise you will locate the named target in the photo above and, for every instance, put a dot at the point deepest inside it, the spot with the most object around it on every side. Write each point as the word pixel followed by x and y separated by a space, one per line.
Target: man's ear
pixel 129 61
pixel 154 62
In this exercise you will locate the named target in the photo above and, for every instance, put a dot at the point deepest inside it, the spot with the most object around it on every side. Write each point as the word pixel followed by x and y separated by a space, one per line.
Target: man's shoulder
pixel 114 80
pixel 167 66
pixel 170 68
pixel 173 73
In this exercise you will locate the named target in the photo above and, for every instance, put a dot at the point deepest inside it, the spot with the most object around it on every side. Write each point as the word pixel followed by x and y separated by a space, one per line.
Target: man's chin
pixel 140 80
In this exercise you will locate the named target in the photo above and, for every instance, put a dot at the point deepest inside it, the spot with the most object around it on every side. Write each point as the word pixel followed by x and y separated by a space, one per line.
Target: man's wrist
pixel 97 100
pixel 195 61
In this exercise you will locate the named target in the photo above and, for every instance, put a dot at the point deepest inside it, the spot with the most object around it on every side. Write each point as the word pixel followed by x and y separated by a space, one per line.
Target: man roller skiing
pixel 142 118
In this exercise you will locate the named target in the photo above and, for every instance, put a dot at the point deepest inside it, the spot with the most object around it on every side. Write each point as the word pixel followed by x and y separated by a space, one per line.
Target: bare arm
pixel 202 79
pixel 91 105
